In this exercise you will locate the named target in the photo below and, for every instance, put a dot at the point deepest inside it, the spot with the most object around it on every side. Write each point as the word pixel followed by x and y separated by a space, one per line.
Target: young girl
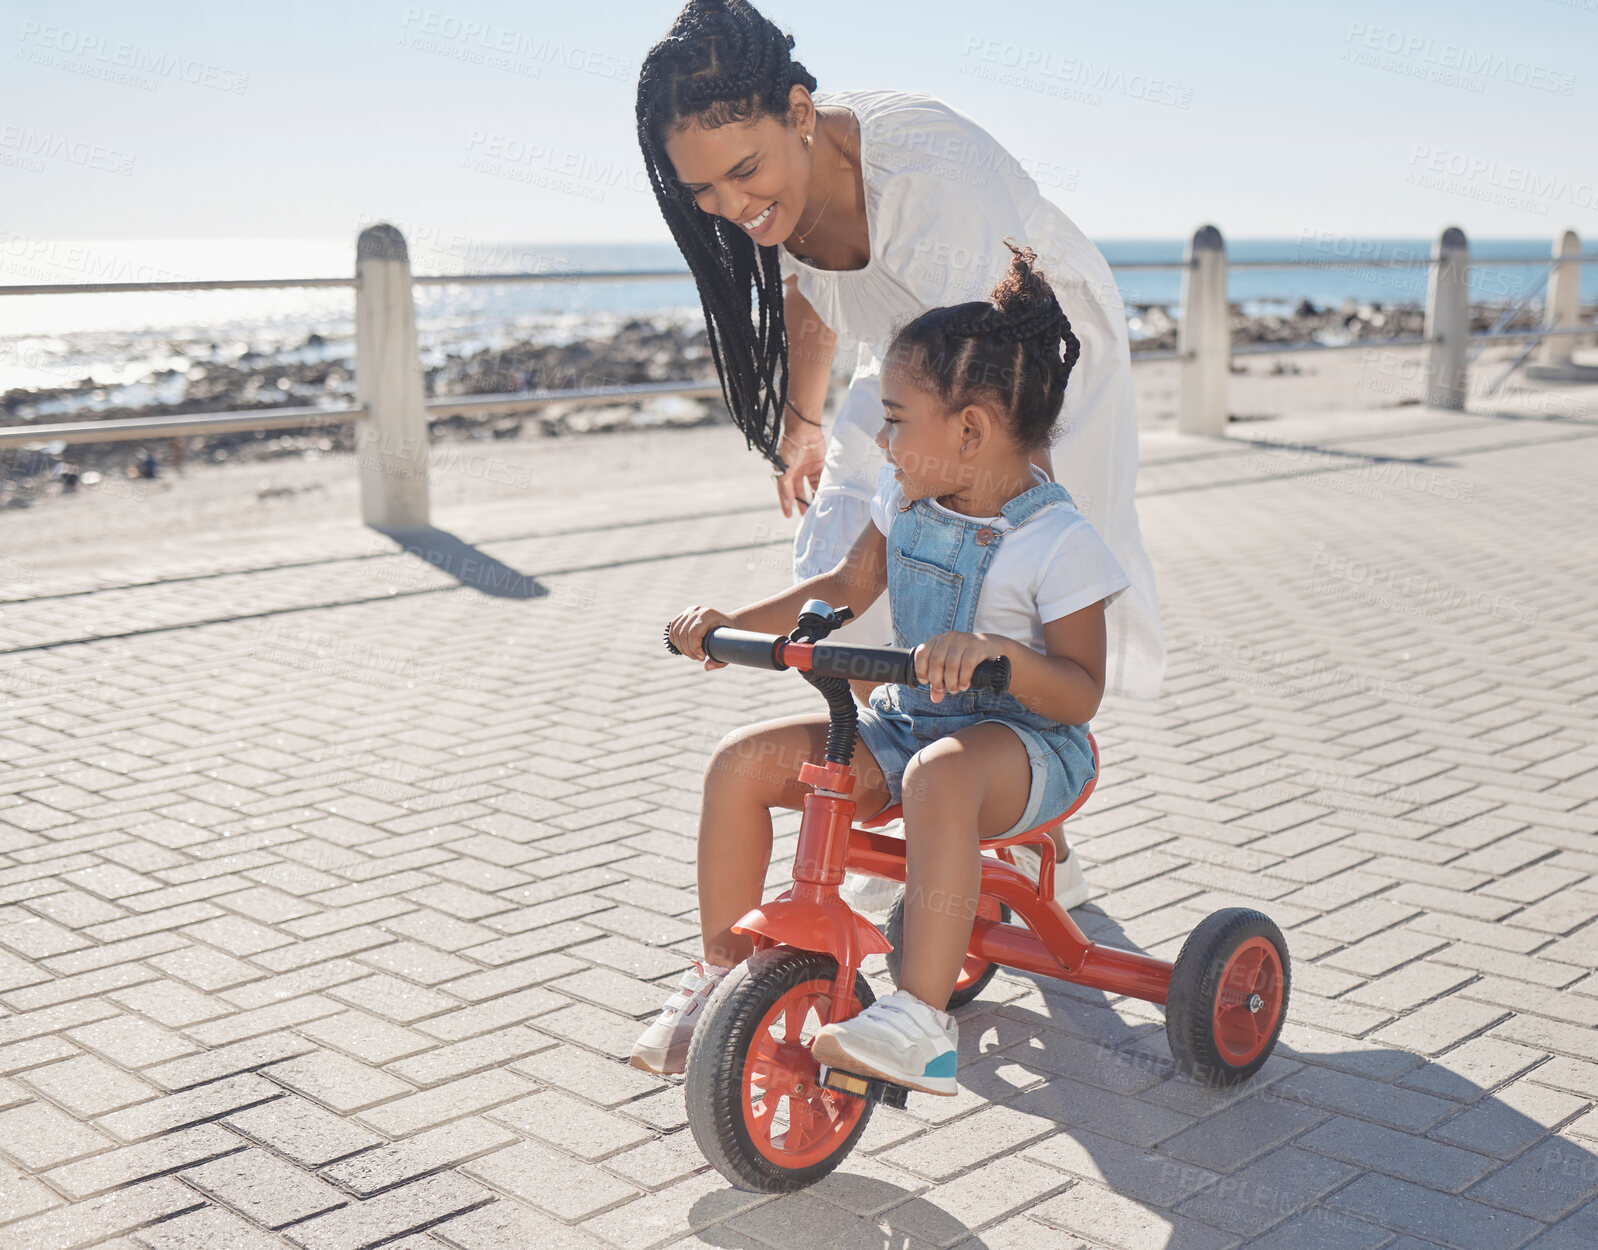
pixel 982 556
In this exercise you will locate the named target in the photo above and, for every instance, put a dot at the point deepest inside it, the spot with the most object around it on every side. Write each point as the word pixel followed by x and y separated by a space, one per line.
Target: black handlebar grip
pixel 895 664
pixel 741 646
pixel 666 635
pixel 873 664
pixel 992 675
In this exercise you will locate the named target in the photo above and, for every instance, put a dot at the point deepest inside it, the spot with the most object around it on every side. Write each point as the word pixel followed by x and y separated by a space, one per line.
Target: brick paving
pixel 333 891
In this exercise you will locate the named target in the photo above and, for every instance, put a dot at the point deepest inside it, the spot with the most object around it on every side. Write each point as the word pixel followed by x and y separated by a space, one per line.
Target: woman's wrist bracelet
pixel 801 415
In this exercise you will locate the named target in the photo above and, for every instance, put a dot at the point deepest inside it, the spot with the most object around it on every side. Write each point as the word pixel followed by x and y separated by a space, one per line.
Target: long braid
pixel 723 62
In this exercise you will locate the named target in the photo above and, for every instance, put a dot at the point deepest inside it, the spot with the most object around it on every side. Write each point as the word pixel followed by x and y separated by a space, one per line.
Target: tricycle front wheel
pixel 1228 996
pixel 754 1104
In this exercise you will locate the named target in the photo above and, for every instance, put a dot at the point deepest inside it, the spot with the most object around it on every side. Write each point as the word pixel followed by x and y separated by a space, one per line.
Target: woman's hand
pixel 806 454
pixel 947 661
pixel 804 445
pixel 688 629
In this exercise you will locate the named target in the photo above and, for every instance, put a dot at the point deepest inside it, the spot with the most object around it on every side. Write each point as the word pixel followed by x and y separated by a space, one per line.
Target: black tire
pixel 893 930
pixel 715 1090
pixel 1196 981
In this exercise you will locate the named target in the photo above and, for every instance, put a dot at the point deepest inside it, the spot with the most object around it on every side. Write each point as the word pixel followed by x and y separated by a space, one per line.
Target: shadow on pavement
pixel 1321 1150
pixel 465 563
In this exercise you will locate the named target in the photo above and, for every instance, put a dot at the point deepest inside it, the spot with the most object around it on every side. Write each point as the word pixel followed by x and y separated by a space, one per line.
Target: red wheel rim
pixel 1248 1002
pixel 974 966
pixel 793 1121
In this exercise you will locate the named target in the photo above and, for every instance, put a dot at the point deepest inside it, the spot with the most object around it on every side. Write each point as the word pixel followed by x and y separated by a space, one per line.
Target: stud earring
pixel 807 141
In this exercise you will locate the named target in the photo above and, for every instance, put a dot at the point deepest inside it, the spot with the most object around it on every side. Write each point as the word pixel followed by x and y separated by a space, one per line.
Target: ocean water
pixel 1342 271
pixel 123 339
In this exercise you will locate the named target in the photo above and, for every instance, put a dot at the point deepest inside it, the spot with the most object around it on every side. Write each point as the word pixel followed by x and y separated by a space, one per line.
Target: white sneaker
pixel 868 894
pixel 663 1047
pixel 899 1039
pixel 1070 889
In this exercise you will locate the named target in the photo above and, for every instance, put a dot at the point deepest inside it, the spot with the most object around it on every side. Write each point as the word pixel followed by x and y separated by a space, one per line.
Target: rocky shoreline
pixel 319 373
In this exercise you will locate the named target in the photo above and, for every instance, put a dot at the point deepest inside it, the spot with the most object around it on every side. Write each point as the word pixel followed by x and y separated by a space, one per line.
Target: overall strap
pixel 1029 502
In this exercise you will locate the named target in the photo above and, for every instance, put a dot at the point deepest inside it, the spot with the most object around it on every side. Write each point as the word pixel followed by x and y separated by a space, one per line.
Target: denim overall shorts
pixel 936 566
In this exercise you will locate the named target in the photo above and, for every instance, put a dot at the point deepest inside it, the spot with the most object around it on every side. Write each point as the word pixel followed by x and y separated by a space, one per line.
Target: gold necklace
pixel 842 164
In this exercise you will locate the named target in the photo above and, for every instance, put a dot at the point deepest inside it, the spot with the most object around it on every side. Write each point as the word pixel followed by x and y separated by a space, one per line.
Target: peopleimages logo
pixel 78 47
pixel 47 259
pixel 1514 185
pixel 1027 65
pixel 1413 594
pixel 1452 64
pixel 546 165
pixel 43 144
pixel 500 47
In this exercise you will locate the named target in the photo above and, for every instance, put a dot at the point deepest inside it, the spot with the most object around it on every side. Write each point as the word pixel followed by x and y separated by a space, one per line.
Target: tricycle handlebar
pixel 830 659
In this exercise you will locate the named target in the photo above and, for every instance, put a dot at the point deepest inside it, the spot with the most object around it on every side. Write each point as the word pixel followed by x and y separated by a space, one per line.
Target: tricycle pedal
pixel 867 1087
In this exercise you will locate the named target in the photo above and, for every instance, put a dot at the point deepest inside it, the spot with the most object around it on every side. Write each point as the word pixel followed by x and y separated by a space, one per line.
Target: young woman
pixel 812 219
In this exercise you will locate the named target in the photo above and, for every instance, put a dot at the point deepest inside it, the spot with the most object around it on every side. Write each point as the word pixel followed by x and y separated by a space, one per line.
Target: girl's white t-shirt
pixel 941 195
pixel 1051 566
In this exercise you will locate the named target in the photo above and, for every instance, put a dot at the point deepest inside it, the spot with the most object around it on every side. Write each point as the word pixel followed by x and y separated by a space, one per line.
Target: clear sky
pixel 514 121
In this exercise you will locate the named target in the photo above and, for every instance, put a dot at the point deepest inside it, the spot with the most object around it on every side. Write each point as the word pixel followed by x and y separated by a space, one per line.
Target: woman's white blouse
pixel 941 196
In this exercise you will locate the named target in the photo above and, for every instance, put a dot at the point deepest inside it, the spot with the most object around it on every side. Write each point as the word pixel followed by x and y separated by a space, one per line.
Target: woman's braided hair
pixel 723 62
pixel 1015 347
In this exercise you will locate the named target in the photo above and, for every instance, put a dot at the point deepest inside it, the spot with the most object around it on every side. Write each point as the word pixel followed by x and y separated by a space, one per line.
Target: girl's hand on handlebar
pixel 688 630
pixel 947 661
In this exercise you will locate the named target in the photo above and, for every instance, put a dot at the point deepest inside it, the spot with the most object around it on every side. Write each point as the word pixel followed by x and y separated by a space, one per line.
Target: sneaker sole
pixel 659 1061
pixel 827 1050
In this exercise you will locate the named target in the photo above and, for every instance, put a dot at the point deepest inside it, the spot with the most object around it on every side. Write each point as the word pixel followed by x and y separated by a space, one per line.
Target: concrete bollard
pixel 1204 337
pixel 1448 320
pixel 1564 301
pixel 391 438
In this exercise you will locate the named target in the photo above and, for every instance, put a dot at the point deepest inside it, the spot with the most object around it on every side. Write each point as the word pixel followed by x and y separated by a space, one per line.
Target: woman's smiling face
pixel 920 440
pixel 753 173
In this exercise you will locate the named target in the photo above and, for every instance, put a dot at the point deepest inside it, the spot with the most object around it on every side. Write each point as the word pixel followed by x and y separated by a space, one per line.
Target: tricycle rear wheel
pixel 753 1102
pixel 1228 996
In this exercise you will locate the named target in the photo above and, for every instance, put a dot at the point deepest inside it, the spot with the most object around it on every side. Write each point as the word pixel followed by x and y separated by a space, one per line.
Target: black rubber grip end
pixel 992 674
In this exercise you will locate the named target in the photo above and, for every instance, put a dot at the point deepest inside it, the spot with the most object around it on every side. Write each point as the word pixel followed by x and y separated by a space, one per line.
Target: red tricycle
pixel 762 1109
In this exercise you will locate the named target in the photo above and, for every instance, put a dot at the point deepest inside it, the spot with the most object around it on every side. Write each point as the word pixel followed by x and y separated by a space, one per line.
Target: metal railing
pixel 392 415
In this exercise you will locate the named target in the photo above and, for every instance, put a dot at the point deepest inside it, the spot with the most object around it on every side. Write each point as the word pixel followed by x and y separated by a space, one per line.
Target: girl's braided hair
pixel 1015 347
pixel 723 62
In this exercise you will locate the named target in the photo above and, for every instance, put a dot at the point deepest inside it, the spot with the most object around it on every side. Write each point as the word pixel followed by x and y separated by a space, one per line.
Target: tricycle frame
pixel 811 915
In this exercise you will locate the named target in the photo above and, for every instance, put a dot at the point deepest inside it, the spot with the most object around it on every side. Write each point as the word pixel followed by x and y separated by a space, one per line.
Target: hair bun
pixel 1023 290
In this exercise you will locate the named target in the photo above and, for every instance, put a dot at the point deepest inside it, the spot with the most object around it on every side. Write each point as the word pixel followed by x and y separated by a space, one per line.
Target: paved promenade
pixel 335 882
